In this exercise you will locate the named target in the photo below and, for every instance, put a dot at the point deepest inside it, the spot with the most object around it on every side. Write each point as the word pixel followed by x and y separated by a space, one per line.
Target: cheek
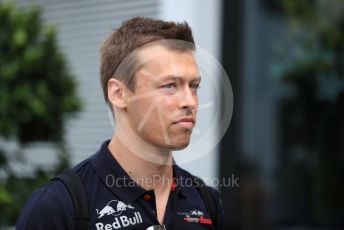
pixel 195 97
pixel 136 111
pixel 167 107
pixel 143 115
pixel 196 104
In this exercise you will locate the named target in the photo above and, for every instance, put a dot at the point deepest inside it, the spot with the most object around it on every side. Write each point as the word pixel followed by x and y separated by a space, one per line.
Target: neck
pixel 151 168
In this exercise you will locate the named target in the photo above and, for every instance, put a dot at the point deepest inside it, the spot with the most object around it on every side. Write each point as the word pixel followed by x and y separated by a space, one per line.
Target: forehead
pixel 160 61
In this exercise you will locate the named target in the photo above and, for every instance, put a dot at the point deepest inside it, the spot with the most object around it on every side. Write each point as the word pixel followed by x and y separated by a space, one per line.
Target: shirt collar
pixel 114 176
pixel 181 182
pixel 119 182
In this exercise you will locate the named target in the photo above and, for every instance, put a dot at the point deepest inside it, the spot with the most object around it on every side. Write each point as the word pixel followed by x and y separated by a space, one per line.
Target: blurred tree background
pixel 312 125
pixel 37 94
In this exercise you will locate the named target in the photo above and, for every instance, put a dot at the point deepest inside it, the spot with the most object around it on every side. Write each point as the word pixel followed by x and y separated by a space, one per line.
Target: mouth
pixel 188 123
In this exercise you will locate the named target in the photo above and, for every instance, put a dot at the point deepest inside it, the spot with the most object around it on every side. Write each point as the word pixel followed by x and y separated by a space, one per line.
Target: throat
pixel 149 175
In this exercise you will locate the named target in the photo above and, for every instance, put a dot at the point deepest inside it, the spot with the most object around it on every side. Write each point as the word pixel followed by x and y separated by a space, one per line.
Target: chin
pixel 177 142
pixel 179 148
pixel 179 145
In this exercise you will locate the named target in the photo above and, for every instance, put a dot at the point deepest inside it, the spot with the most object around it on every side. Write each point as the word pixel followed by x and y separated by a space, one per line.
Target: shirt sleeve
pixel 49 207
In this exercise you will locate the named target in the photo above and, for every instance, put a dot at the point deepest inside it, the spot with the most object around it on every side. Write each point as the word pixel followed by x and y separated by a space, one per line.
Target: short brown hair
pixel 131 35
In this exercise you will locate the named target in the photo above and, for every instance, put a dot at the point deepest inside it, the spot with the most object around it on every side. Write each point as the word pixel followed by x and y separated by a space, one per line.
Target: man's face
pixel 162 109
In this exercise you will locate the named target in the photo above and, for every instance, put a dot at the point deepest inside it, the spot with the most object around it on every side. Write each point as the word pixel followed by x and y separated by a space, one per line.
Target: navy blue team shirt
pixel 116 203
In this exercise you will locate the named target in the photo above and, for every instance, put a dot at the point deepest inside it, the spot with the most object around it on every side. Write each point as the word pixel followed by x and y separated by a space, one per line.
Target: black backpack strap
pixel 208 197
pixel 78 194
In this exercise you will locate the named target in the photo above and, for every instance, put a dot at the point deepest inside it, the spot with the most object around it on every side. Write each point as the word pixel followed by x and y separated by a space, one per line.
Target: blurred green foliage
pixel 36 89
pixel 313 117
pixel 37 94
pixel 317 53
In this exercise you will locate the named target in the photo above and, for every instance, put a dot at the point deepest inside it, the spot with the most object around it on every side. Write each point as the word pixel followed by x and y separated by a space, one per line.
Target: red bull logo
pixel 121 222
pixel 114 207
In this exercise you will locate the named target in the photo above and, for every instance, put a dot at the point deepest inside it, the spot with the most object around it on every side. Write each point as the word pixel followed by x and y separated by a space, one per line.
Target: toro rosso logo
pixel 195 216
pixel 114 207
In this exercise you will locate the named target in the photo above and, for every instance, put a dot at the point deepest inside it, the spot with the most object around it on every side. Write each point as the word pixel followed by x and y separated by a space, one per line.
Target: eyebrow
pixel 173 77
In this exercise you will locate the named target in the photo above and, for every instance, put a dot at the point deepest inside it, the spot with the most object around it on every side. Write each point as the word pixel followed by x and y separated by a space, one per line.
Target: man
pixel 150 79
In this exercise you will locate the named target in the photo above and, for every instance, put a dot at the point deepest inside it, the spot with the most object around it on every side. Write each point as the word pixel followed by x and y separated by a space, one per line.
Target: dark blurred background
pixel 285 61
pixel 286 139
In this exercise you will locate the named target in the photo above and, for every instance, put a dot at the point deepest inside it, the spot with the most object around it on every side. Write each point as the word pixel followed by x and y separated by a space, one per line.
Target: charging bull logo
pixel 114 207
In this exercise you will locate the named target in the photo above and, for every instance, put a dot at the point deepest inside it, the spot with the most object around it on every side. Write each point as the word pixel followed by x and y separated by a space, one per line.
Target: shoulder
pixel 219 206
pixel 51 203
pixel 207 191
pixel 46 207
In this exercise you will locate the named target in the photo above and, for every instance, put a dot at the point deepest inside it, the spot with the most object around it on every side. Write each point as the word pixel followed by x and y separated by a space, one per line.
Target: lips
pixel 186 122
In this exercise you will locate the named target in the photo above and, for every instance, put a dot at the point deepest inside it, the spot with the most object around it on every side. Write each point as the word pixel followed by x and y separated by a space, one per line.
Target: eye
pixel 195 86
pixel 170 85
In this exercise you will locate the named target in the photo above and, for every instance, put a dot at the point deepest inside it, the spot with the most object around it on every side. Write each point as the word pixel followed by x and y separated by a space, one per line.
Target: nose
pixel 188 98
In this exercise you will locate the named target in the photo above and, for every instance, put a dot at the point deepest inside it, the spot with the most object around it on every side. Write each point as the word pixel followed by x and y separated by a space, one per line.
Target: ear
pixel 116 93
